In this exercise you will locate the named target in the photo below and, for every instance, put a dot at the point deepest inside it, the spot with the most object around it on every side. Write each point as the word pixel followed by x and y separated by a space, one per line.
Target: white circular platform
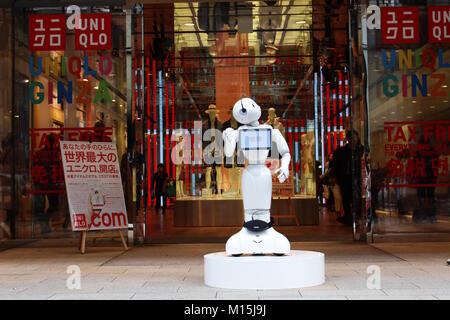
pixel 299 269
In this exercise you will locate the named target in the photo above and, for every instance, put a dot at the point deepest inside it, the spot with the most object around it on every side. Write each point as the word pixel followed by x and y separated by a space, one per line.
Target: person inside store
pixel 45 184
pixel 332 190
pixel 341 164
pixel 159 182
pixel 100 134
pixel 138 163
pixel 127 185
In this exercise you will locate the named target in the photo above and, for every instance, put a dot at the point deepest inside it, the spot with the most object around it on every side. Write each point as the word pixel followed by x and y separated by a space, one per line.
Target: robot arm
pixel 283 149
pixel 230 137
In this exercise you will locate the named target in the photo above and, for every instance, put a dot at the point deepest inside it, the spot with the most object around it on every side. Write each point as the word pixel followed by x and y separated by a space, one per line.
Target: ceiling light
pixel 113 100
pixel 419 112
pixel 26 80
pixel 432 107
pixel 444 86
pixel 96 87
pixel 300 22
pixel 85 79
pixel 393 112
pixel 189 24
pixel 414 101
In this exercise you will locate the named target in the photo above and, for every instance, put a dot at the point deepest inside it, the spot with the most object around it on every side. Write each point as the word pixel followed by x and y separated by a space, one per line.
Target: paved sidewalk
pixel 38 271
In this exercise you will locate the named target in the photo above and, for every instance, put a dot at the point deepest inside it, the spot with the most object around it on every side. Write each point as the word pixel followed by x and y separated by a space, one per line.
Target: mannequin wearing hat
pixel 274 121
pixel 213 174
pixel 232 167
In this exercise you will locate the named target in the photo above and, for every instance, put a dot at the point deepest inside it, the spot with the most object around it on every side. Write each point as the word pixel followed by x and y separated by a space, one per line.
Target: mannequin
pixel 212 123
pixel 307 156
pixel 274 121
pixel 255 140
pixel 179 168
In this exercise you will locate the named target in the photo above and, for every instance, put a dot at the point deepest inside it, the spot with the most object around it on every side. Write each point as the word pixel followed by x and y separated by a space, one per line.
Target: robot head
pixel 246 111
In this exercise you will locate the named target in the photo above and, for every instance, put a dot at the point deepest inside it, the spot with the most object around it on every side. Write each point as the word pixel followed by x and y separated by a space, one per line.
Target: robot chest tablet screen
pixel 255 139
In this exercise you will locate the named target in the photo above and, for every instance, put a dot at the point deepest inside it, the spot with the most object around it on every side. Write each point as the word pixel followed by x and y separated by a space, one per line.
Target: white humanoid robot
pixel 257 236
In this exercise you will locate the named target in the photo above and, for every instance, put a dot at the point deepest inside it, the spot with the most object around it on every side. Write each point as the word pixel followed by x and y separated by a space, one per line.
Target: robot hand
pixel 283 174
pixel 229 134
pixel 229 138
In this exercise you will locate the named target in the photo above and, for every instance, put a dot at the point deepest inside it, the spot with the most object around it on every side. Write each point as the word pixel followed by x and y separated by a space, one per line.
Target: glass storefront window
pixel 62 92
pixel 215 66
pixel 408 116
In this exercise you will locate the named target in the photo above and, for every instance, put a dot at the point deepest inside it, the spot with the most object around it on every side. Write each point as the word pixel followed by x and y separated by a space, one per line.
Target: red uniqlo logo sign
pixel 399 25
pixel 94 32
pixel 79 221
pixel 47 32
pixel 438 24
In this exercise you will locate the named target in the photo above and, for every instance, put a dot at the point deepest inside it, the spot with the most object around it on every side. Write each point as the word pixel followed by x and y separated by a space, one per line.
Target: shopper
pixel 357 157
pixel 159 181
pixel 44 183
pixel 334 189
pixel 127 184
pixel 341 164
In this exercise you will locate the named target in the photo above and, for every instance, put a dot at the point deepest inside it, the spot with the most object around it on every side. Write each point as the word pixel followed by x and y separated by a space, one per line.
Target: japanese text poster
pixel 94 186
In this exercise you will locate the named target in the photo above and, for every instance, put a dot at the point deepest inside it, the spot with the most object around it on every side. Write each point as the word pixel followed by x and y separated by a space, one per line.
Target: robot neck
pixel 254 123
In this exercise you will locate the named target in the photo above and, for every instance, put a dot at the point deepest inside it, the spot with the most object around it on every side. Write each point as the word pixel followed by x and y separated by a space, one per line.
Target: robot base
pixel 265 242
pixel 299 269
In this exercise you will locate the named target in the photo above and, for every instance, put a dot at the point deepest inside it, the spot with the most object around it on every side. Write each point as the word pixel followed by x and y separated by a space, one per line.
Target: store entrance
pixel 193 62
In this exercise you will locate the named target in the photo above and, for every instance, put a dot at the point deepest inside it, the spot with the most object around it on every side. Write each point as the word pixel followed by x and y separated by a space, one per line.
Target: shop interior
pixel 198 65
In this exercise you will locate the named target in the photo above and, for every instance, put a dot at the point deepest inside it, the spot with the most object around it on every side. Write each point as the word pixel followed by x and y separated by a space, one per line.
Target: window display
pixel 217 68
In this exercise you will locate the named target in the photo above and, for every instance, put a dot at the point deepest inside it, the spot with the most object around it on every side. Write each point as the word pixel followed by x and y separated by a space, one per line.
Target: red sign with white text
pixel 94 32
pixel 399 25
pixel 47 32
pixel 439 24
pixel 47 175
